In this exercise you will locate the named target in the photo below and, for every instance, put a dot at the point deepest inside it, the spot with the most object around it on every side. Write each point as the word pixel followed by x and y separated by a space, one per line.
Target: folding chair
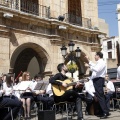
pixel 36 107
pixel 117 94
pixel 118 102
pixel 66 107
pixel 116 97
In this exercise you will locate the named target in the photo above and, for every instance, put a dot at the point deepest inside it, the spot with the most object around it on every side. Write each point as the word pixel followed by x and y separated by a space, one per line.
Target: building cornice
pixel 36 20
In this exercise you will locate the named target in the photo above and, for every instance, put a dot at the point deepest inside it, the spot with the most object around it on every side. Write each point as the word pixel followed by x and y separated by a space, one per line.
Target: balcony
pixel 77 20
pixel 27 6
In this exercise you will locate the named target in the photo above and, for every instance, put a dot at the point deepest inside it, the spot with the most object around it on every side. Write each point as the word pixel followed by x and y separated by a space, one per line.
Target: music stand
pixel 41 86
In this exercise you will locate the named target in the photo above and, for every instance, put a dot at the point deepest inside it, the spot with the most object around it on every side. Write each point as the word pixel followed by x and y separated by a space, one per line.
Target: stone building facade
pixel 31 36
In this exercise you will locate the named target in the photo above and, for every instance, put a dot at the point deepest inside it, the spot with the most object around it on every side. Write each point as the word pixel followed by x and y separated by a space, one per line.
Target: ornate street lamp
pixel 78 52
pixel 71 46
pixel 63 51
pixel 72 56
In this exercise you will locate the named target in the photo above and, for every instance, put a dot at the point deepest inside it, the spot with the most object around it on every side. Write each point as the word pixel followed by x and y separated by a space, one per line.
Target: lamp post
pixel 72 57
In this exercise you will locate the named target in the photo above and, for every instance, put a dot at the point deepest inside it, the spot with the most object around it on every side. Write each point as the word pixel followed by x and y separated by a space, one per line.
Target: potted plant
pixel 72 67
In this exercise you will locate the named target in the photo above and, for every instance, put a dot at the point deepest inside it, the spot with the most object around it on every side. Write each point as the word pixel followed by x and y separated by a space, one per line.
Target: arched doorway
pixel 80 63
pixel 29 57
pixel 23 61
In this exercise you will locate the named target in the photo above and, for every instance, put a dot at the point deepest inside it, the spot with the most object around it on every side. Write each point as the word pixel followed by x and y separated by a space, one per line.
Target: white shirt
pixel 8 90
pixel 110 86
pixel 89 87
pixel 118 72
pixel 49 90
pixel 24 85
pixel 32 85
pixel 98 69
pixel 17 93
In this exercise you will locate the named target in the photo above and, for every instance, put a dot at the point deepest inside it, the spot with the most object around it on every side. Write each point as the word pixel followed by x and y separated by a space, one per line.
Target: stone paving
pixel 115 115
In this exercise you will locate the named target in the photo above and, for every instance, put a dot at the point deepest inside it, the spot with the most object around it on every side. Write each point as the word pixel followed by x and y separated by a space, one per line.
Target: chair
pixel 40 105
pixel 116 97
pixel 36 107
pixel 118 102
pixel 117 94
pixel 63 104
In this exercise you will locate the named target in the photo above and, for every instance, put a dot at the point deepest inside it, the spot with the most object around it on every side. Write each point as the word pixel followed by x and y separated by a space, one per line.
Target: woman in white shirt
pixel 27 95
pixel 8 87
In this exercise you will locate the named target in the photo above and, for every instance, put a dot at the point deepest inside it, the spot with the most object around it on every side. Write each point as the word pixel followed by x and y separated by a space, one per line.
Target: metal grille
pixel 27 6
pixel 14 4
pixel 74 19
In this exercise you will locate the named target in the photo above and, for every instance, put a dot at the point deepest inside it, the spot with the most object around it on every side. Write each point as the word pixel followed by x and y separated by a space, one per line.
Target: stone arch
pixel 23 54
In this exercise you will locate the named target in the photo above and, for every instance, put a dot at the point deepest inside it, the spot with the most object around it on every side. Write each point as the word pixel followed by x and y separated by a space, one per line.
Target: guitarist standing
pixel 69 95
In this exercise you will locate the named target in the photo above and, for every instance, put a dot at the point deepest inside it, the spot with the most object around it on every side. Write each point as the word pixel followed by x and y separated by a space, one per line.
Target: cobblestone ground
pixel 115 115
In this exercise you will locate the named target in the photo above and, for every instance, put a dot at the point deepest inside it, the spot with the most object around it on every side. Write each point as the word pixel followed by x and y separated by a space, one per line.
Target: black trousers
pixel 15 104
pixel 71 96
pixel 46 100
pixel 99 92
pixel 108 96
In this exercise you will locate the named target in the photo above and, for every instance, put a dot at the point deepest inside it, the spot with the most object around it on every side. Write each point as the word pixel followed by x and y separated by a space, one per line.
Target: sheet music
pixel 41 85
pixel 23 85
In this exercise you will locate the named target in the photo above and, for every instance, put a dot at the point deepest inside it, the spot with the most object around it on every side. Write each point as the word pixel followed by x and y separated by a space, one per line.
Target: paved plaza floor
pixel 115 115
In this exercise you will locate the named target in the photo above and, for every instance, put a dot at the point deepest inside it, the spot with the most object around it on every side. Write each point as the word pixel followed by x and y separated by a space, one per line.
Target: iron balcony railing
pixel 27 6
pixel 77 20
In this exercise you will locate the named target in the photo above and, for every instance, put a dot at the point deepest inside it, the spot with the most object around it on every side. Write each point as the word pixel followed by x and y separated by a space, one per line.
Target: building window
pixel 74 11
pixel 110 55
pixel 109 45
pixel 30 6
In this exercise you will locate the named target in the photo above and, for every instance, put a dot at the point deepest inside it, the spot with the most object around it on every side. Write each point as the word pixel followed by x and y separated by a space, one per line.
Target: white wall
pixel 113 50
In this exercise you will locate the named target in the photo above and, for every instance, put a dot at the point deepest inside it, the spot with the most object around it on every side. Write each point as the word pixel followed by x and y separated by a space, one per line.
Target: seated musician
pixel 8 102
pixel 45 96
pixel 2 80
pixel 8 87
pixel 110 89
pixel 69 95
pixel 27 95
pixel 90 90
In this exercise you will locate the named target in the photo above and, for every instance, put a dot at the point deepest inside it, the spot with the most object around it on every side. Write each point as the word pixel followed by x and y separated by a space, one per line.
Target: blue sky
pixel 107 11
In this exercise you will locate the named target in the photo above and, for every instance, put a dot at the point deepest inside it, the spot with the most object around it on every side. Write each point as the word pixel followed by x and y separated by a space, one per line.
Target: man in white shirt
pixel 98 74
pixel 110 89
pixel 45 96
pixel 90 90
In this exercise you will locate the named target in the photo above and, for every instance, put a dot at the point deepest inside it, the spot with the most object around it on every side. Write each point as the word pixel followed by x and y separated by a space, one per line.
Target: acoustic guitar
pixel 60 90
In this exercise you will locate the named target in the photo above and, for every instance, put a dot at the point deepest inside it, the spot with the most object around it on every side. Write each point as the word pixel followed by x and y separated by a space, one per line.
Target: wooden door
pixel 74 11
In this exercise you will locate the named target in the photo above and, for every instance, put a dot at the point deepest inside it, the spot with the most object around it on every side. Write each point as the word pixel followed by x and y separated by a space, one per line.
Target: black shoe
pixel 104 116
pixel 80 119
pixel 108 114
pixel 100 115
